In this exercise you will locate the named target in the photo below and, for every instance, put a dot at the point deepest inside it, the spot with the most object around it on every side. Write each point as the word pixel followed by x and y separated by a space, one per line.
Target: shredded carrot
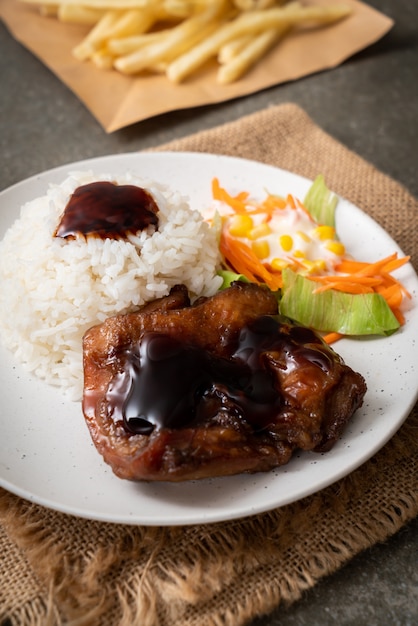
pixel 374 268
pixel 393 295
pixel 301 206
pixel 332 337
pixel 352 287
pixel 399 316
pixel 362 268
pixel 395 264
pixel 271 203
pixel 235 202
pixel 390 280
pixel 357 278
pixel 244 261
pixel 348 266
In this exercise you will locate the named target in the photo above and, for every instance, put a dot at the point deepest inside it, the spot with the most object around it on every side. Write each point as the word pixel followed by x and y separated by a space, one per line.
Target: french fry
pixel 250 54
pixel 239 55
pixel 177 37
pixel 163 49
pixel 229 51
pixel 96 36
pixel 123 46
pixel 114 24
pixel 250 5
pixel 252 22
pixel 180 38
pixel 78 14
pixel 49 10
pixel 134 21
pixel 97 4
pixel 103 59
pixel 184 8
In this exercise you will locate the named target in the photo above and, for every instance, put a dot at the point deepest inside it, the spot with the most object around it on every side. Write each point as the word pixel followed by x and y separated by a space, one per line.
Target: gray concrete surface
pixel 370 104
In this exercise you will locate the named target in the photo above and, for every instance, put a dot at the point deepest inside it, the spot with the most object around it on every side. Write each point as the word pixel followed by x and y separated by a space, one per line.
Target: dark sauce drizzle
pixel 169 384
pixel 106 210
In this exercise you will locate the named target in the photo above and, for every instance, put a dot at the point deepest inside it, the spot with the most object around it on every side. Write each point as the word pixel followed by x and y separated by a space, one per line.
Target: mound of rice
pixel 53 289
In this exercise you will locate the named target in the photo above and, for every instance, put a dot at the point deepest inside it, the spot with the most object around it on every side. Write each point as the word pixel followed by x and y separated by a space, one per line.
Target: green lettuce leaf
pixel 334 311
pixel 229 277
pixel 321 202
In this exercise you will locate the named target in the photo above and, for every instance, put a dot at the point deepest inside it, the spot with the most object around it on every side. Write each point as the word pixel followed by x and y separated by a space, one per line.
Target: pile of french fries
pixel 178 37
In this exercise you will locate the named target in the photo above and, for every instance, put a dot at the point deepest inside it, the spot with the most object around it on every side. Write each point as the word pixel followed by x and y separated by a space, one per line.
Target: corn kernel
pixel 336 247
pixel 279 264
pixel 324 232
pixel 261 230
pixel 286 242
pixel 304 236
pixel 298 254
pixel 320 264
pixel 240 225
pixel 313 267
pixel 261 248
pixel 309 266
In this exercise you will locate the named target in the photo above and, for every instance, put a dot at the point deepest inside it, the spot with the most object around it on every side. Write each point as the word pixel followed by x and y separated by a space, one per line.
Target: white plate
pixel 46 454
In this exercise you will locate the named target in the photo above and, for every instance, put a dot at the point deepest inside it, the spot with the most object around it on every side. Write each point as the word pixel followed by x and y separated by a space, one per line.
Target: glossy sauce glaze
pixel 107 210
pixel 169 384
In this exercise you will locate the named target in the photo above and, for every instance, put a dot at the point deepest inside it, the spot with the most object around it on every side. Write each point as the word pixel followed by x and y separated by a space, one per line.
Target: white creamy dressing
pixel 293 238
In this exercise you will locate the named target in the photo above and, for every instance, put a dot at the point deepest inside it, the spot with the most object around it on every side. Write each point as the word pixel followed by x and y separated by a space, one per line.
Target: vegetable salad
pixel 293 248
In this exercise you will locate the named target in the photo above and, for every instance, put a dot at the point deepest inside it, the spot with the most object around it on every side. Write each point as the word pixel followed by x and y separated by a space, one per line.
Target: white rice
pixel 53 290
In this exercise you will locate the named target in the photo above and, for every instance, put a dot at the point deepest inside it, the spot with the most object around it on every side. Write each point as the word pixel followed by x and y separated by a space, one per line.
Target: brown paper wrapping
pixel 118 101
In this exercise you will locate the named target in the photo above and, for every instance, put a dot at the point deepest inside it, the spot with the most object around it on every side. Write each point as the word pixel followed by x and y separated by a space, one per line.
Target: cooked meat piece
pixel 178 391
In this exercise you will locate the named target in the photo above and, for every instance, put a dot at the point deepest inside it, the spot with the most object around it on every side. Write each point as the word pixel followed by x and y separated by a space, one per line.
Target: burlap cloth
pixel 60 569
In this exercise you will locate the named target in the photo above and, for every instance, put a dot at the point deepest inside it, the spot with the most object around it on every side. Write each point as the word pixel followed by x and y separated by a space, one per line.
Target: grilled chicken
pixel 180 391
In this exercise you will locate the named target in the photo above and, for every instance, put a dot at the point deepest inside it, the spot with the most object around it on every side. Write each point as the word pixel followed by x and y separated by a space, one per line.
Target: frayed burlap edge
pixel 80 572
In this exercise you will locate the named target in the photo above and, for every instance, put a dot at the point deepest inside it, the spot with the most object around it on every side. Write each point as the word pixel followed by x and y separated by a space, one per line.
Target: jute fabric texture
pixel 58 569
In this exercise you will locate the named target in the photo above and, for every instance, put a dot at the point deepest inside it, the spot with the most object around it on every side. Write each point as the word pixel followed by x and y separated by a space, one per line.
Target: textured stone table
pixel 370 104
